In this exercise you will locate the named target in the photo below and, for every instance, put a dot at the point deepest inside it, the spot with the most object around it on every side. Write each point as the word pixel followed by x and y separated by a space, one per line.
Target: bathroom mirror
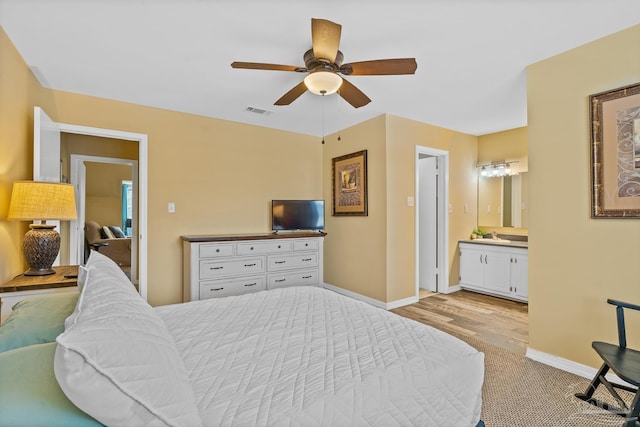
pixel 503 202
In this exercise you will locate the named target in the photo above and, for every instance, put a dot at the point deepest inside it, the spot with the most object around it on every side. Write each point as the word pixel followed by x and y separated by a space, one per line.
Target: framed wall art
pixel 615 153
pixel 350 184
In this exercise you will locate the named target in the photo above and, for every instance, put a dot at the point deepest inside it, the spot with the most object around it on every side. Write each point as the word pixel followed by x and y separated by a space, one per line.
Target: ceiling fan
pixel 323 65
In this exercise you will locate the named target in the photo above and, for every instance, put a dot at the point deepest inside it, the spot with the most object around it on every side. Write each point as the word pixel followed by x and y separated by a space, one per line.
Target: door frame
pixel 78 180
pixel 442 215
pixel 143 167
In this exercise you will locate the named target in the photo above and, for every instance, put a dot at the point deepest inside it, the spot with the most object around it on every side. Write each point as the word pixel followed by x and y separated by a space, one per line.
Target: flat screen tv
pixel 292 215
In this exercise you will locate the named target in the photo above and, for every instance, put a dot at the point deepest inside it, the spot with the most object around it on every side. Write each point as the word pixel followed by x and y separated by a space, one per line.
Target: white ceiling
pixel 176 54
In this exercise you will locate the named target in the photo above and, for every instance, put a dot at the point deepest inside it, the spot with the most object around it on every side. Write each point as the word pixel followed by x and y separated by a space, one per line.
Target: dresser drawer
pixel 211 250
pixel 228 287
pixel 294 278
pixel 277 246
pixel 305 245
pixel 229 267
pixel 296 260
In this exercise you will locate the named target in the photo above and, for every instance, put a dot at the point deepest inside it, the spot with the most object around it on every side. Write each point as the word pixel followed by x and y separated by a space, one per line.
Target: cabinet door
pixel 520 276
pixel 471 266
pixel 497 268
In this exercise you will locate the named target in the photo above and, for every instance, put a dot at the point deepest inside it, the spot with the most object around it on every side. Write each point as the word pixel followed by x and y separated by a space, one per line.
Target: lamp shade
pixel 323 82
pixel 33 200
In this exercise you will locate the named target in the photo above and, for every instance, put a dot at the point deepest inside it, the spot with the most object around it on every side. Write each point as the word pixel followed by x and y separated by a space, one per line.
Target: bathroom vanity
pixel 496 267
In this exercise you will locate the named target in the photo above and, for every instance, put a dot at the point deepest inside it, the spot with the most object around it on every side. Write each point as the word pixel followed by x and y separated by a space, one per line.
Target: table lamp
pixel 33 201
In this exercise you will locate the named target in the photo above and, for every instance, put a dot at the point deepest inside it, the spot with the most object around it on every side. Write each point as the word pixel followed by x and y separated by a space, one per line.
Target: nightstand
pixel 21 287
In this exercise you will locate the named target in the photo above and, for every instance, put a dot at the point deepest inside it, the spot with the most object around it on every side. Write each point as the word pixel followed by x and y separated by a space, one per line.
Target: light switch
pixel 450 208
pixel 488 208
pixel 466 208
pixel 171 207
pixel 410 201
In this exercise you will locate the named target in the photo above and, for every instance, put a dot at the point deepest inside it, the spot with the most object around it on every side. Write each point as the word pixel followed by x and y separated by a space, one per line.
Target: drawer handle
pixel 306 244
pixel 280 280
pixel 216 289
pixel 251 284
pixel 217 250
pixel 307 277
pixel 216 268
pixel 279 246
pixel 250 265
pixel 280 262
pixel 307 259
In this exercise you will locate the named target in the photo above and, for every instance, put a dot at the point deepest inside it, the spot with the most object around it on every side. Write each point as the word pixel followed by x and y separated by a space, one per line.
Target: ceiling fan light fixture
pixel 323 82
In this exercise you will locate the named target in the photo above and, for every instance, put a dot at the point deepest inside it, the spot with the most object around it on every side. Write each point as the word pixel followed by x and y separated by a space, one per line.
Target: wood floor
pixel 498 321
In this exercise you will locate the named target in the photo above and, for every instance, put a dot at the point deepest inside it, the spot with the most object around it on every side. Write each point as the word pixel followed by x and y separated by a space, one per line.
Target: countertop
pixel 511 243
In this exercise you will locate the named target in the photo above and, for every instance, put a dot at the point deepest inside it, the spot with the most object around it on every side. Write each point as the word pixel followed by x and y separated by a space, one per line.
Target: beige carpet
pixel 521 392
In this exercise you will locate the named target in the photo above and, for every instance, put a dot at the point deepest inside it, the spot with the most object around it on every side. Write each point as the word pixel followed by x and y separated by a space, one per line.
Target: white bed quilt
pixel 307 356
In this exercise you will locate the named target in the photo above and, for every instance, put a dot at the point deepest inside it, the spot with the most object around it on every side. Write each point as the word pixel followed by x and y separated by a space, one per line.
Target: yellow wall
pixel 509 145
pixel 221 176
pixel 19 91
pixel 575 262
pixel 375 255
pixel 104 192
pixel 355 246
pixel 403 135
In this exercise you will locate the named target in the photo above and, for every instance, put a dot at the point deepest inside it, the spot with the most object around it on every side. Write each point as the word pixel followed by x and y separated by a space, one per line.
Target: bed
pixel 300 356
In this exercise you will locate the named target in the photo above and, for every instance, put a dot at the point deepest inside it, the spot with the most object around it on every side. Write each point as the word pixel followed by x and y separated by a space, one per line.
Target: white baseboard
pixel 371 301
pixel 451 289
pixel 570 366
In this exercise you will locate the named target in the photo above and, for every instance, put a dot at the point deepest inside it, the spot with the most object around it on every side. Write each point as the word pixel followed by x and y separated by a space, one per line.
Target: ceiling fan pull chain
pixel 323 101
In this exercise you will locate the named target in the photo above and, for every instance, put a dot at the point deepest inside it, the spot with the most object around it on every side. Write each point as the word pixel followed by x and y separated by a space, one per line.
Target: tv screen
pixel 292 215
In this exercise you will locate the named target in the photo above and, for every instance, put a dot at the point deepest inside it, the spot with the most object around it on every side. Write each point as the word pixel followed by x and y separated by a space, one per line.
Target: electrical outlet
pixel 171 207
pixel 410 201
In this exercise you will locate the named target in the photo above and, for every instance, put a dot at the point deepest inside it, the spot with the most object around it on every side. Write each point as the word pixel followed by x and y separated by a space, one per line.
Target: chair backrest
pixel 620 306
pixel 91 231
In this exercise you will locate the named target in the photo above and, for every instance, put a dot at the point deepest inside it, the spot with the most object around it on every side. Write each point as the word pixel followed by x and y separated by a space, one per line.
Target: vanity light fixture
pixel 497 169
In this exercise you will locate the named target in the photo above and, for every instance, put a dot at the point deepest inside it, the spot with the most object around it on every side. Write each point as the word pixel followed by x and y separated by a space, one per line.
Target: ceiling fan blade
pixel 325 39
pixel 292 95
pixel 261 66
pixel 353 95
pixel 380 67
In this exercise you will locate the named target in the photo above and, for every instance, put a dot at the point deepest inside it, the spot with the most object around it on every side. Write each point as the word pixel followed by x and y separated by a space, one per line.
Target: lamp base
pixel 43 272
pixel 41 246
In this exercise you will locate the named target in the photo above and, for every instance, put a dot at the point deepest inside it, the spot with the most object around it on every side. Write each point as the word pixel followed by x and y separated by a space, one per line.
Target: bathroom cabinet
pixel 499 270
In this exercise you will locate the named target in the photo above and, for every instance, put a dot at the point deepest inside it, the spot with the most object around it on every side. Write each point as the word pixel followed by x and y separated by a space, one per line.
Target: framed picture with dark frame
pixel 350 184
pixel 615 153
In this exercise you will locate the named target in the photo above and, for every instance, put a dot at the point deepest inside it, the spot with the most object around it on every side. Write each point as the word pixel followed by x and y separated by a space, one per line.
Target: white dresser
pixel 224 265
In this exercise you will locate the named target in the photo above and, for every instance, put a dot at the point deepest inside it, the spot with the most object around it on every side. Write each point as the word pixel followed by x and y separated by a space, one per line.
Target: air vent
pixel 258 110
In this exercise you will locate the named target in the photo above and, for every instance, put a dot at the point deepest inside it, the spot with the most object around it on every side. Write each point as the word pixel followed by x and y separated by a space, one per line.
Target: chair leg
pixel 631 419
pixel 587 396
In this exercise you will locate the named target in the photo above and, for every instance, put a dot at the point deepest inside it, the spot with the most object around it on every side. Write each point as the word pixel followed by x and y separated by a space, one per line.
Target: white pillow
pixel 82 276
pixel 116 360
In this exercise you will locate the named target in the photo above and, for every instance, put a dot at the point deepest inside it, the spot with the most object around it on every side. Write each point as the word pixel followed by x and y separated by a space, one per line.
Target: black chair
pixel 625 362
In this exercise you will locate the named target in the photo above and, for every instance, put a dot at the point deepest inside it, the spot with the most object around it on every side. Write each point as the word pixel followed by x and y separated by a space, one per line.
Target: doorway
pixel 46 167
pixel 79 180
pixel 432 228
